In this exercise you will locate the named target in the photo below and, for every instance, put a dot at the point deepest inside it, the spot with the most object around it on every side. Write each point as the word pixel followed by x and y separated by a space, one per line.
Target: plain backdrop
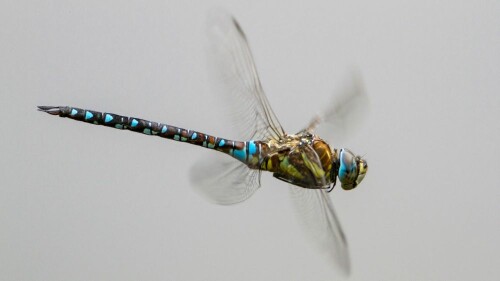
pixel 81 202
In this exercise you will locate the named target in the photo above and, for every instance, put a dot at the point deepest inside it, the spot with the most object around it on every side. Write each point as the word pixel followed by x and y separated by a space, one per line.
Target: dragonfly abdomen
pixel 245 151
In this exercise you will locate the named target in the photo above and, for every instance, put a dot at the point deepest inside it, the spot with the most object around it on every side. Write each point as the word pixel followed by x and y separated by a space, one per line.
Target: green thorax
pixel 303 159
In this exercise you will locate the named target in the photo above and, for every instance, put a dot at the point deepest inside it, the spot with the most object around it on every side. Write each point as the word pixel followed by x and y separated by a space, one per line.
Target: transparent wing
pixel 345 111
pixel 237 79
pixel 315 212
pixel 224 181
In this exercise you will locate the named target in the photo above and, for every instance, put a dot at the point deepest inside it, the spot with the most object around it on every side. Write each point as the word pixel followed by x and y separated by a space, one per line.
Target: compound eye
pixel 348 160
pixel 348 171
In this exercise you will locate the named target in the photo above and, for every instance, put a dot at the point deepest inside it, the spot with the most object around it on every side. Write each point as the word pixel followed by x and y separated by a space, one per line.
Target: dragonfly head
pixel 351 169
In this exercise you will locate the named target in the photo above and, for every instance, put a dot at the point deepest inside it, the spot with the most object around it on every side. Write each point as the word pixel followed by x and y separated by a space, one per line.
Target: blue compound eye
pixel 348 170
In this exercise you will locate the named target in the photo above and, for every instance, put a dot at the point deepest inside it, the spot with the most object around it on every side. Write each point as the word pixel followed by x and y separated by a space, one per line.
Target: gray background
pixel 80 202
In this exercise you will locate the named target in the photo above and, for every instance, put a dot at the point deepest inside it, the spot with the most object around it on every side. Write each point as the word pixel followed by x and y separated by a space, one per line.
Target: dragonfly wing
pixel 315 212
pixel 345 111
pixel 224 181
pixel 238 79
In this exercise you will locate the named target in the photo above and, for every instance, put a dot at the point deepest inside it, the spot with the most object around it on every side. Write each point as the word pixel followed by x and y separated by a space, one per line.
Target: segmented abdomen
pixel 247 152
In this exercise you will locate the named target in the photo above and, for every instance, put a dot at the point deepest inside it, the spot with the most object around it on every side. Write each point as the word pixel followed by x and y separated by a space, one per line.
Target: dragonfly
pixel 304 160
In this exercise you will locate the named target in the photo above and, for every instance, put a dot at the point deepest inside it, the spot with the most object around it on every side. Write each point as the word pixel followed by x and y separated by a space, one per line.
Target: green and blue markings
pixel 246 153
pixel 243 151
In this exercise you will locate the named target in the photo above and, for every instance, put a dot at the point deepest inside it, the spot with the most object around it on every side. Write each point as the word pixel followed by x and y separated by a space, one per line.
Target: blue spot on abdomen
pixel 88 115
pixel 134 123
pixel 108 118
pixel 252 148
pixel 240 154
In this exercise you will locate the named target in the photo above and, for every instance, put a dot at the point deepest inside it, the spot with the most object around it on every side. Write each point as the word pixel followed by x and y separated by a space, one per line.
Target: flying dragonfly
pixel 304 160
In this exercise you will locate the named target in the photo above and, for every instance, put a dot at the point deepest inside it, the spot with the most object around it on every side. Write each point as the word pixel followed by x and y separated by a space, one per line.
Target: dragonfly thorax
pixel 303 159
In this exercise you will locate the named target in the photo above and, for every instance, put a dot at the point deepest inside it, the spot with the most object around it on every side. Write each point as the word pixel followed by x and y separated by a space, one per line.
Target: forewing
pixel 315 212
pixel 345 111
pixel 237 80
pixel 224 181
